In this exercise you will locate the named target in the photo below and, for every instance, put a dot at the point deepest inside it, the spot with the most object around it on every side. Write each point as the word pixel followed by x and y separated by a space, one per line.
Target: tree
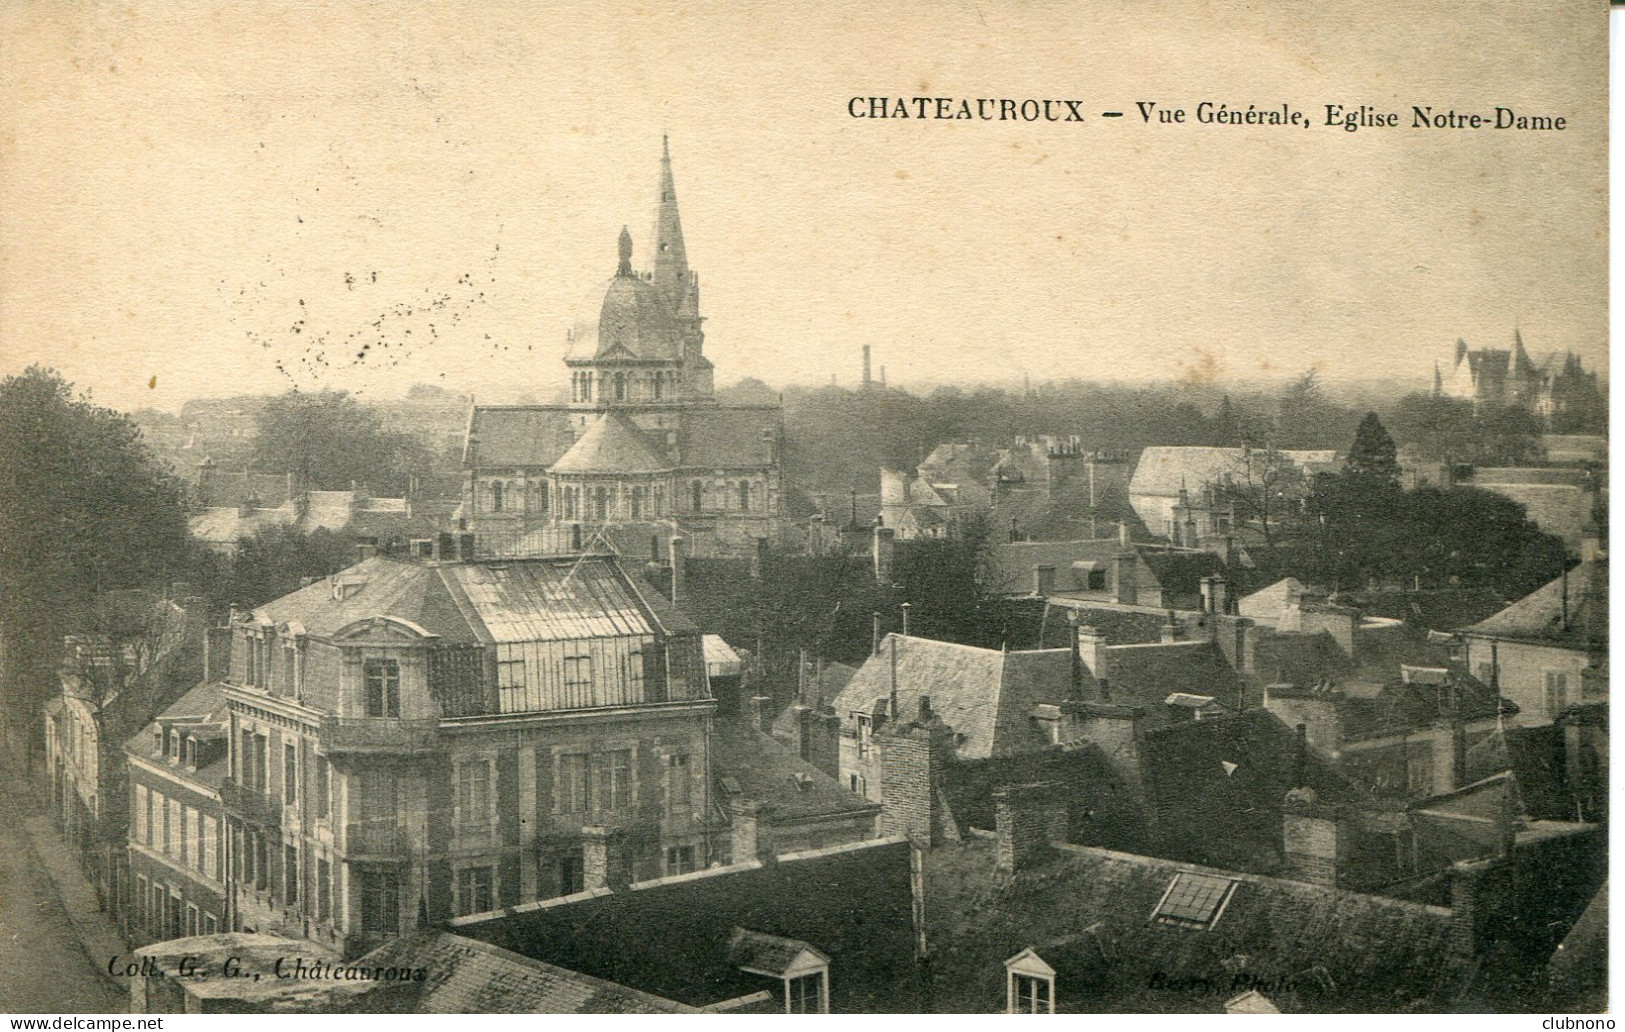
pixel 84 509
pixel 1373 454
pixel 331 443
pixel 279 560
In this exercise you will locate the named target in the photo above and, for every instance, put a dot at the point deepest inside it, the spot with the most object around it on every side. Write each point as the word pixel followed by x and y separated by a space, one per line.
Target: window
pixel 172 828
pixel 679 859
pixel 192 838
pixel 572 783
pixel 679 788
pixel 612 780
pixel 1557 691
pixel 637 502
pixel 324 891
pixel 177 918
pixel 570 874
pixel 578 672
pixel 380 902
pixel 155 912
pixel 600 503
pixel 209 846
pixel 194 926
pixel 510 682
pixel 1419 773
pixel 211 924
pixel 866 729
pixel 496 497
pixel 744 494
pixel 143 902
pixel 143 816
pixel 1032 995
pixel 323 788
pixel 383 688
pixel 859 784
pixel 474 890
pixel 474 795
pixel 251 656
pixel 805 994
pixel 1194 900
pixel 1097 580
pixel 290 874
pixel 290 773
pixel 697 496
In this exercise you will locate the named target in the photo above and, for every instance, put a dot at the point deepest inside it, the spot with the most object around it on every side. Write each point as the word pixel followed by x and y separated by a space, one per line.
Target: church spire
pixel 625 268
pixel 671 259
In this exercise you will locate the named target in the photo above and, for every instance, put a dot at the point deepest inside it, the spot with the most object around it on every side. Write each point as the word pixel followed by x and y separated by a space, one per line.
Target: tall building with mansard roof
pixel 643 450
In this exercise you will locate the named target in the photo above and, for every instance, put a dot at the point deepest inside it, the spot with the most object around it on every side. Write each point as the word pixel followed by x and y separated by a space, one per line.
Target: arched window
pixel 620 386
pixel 697 489
pixel 637 502
pixel 586 386
pixel 659 384
pixel 744 494
pixel 660 501
pixel 496 497
pixel 539 495
pixel 600 503
pixel 569 503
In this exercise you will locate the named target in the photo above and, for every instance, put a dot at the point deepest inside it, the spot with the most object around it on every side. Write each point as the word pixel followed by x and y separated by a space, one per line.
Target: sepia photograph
pixel 1120 526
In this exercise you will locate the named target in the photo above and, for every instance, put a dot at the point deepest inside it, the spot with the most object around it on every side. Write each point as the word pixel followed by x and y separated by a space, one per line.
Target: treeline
pixel 837 439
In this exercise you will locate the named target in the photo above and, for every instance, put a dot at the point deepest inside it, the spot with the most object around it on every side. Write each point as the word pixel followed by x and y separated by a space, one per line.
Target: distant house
pixel 1548 649
pixel 1167 477
pixel 177 832
pixel 146 654
pixel 222 528
pixel 1102 570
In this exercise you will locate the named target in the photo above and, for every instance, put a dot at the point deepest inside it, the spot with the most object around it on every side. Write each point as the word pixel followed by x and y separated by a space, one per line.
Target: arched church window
pixel 697 489
pixel 600 503
pixel 586 386
pixel 637 502
pixel 496 496
pixel 744 494
pixel 659 384
pixel 539 496
pixel 660 501
pixel 620 386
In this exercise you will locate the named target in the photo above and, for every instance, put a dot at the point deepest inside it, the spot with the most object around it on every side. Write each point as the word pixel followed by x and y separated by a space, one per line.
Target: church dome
pixel 634 320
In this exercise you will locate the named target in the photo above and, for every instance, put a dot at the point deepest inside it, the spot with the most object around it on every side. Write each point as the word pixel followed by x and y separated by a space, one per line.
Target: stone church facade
pixel 644 450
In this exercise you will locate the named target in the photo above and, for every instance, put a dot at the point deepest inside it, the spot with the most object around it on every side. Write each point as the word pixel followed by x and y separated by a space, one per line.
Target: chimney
pixel 758 559
pixel 1171 630
pixel 1315 838
pixel 1124 590
pixel 1092 652
pixel 884 546
pixel 761 712
pixel 604 860
pixel 1479 893
pixel 1449 753
pixel 752 839
pixel 866 365
pixel 905 607
pixel 1028 819
pixel 874 642
pixel 676 568
pixel 912 758
pixel 365 550
pixel 1043 579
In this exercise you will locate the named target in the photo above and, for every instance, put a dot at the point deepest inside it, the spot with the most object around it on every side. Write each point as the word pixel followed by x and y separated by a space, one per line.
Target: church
pixel 644 451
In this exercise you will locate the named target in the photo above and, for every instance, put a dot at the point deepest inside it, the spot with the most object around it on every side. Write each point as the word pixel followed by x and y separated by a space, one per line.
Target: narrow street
pixel 44 968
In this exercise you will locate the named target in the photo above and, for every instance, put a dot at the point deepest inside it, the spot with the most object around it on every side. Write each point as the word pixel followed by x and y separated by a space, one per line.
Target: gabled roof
pixel 611 445
pixel 767 772
pixel 769 954
pixel 985 696
pixel 1313 945
pixel 727 436
pixel 1145 675
pixel 1267 603
pixel 519 436
pixel 1537 618
pixel 467 976
pixel 1162 471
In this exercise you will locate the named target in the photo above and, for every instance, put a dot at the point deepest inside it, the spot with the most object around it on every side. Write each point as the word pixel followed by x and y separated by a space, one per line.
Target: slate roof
pixel 768 772
pixel 984 695
pixel 772 954
pixel 467 976
pixel 1145 675
pixel 201 712
pixel 518 435
pixel 515 600
pixel 611 445
pixel 1010 564
pixel 1162 470
pixel 1537 618
pixel 1316 948
pixel 726 436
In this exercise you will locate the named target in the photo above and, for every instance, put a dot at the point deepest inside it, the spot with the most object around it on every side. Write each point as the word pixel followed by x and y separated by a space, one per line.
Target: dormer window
pixel 1029 984
pixel 383 687
pixel 1194 900
pixel 802 970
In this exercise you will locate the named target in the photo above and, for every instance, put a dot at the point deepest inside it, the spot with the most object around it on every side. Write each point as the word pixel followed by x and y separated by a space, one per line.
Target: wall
pixel 1521 669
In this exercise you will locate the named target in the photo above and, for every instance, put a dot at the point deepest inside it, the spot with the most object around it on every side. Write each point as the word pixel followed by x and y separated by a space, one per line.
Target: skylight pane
pixel 1193 899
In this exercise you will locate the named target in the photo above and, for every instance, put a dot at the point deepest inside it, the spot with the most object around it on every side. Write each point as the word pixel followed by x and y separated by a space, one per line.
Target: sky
pixel 200 199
